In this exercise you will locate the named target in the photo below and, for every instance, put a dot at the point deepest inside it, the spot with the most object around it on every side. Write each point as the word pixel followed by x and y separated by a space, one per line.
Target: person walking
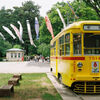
pixel 42 59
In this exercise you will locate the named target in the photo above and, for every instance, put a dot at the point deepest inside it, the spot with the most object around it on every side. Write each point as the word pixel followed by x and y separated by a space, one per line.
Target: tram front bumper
pixel 87 78
pixel 87 84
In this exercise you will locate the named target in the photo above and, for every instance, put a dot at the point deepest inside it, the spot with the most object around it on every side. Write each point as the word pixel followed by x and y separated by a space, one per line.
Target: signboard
pixel 91 27
pixel 95 67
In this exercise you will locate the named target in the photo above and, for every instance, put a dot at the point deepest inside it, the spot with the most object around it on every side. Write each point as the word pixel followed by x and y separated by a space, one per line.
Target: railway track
pixel 78 96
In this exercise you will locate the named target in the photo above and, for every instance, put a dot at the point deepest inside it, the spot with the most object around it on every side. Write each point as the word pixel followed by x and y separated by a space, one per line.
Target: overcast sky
pixel 45 4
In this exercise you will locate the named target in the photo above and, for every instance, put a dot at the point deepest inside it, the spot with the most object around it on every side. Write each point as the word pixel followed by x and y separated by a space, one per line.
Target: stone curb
pixel 65 92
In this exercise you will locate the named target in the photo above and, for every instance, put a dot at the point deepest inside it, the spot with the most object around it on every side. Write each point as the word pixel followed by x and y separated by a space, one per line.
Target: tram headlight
pixel 79 64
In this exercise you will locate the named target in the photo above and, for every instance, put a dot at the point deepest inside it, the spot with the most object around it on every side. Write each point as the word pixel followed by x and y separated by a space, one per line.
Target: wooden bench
pixel 6 90
pixel 17 76
pixel 13 81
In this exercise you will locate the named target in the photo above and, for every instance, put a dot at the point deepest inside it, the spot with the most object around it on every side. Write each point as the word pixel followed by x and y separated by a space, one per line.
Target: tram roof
pixel 76 25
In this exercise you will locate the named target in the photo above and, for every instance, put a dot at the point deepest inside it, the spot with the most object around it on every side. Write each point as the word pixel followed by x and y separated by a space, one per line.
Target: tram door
pixel 54 62
pixel 56 58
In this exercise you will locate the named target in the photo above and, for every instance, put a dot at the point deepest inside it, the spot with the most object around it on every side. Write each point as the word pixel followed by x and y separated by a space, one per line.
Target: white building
pixel 15 54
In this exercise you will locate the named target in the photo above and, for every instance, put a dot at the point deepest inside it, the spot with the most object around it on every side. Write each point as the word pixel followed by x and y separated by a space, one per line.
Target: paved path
pixel 24 67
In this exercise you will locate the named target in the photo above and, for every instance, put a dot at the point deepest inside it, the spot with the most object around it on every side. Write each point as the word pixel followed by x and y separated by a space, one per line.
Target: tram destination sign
pixel 91 27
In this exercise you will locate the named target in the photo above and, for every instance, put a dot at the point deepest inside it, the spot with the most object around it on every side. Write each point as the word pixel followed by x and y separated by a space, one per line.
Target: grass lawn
pixel 35 86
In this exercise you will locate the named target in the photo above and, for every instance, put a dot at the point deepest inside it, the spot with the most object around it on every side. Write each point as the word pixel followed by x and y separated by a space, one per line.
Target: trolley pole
pixel 67 19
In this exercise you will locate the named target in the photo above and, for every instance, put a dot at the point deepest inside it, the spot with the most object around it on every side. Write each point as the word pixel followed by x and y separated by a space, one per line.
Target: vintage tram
pixel 75 56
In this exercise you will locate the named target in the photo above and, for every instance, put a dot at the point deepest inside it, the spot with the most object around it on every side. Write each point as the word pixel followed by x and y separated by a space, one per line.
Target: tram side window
pixel 54 48
pixel 77 43
pixel 67 44
pixel 51 51
pixel 61 45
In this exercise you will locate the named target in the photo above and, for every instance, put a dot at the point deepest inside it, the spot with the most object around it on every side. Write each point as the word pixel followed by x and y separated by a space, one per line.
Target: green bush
pixel 1 59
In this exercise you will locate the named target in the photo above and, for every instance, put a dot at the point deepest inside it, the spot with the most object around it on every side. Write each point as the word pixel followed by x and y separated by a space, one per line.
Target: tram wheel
pixel 51 69
pixel 60 78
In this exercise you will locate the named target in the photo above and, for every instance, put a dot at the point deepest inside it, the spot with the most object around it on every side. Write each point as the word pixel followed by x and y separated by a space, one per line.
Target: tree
pixel 44 49
pixel 82 11
pixel 28 11
pixel 4 45
pixel 17 46
pixel 6 16
pixel 95 4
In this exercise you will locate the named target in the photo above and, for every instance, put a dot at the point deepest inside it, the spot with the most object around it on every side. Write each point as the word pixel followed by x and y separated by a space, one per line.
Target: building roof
pixel 15 49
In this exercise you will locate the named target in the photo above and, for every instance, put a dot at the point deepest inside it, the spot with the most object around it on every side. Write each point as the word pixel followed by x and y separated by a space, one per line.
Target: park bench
pixel 13 81
pixel 17 76
pixel 6 90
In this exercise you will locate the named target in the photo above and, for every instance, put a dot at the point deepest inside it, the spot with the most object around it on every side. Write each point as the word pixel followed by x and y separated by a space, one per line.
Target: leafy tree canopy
pixel 83 11
pixel 44 49
pixel 95 4
pixel 4 45
pixel 29 11
pixel 17 46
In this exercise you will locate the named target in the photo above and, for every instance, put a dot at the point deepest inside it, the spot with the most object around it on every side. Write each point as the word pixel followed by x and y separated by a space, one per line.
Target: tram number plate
pixel 95 67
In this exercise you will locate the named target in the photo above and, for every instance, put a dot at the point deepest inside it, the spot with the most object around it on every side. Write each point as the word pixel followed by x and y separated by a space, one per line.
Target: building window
pixel 18 55
pixel 15 55
pixel 22 54
pixel 11 55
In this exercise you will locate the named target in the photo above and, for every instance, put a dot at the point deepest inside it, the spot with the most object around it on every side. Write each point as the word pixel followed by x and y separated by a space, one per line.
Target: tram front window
pixel 91 43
